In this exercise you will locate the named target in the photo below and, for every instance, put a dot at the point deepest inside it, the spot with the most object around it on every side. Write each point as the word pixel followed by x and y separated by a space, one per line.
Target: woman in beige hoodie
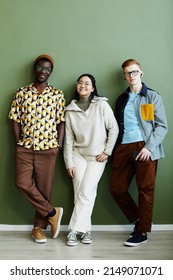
pixel 91 131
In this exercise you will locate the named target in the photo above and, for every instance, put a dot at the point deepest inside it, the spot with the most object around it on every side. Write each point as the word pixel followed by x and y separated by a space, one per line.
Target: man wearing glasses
pixel 142 123
pixel 37 114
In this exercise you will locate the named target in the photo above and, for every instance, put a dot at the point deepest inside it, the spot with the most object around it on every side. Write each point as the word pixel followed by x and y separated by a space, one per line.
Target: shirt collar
pixel 142 92
pixel 31 86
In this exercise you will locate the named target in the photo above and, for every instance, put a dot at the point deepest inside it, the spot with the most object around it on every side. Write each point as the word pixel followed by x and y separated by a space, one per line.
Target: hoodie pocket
pixel 147 111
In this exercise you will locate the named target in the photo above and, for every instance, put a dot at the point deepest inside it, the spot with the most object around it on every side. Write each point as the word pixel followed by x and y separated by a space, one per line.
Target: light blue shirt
pixel 132 131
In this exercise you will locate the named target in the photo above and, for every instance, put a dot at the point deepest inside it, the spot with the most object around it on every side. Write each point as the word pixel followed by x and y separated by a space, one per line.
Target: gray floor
pixel 106 246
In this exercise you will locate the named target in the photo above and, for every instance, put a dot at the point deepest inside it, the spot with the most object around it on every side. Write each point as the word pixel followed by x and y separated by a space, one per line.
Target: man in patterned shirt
pixel 37 114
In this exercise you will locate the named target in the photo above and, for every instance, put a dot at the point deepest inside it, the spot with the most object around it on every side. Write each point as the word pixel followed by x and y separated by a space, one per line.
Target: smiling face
pixel 84 87
pixel 42 70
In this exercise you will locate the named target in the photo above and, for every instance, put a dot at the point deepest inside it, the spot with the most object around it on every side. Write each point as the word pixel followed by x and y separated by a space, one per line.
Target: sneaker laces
pixel 50 221
pixel 86 235
pixel 72 235
pixel 40 231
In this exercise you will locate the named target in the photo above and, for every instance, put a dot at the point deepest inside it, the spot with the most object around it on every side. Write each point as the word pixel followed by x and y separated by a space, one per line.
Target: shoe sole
pixel 129 244
pixel 71 244
pixel 39 241
pixel 59 222
pixel 86 242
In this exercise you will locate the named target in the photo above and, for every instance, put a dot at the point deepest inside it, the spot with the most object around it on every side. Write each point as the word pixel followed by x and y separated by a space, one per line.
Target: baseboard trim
pixel 158 227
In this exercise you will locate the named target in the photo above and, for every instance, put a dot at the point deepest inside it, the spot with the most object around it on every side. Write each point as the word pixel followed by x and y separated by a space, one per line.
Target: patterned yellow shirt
pixel 38 115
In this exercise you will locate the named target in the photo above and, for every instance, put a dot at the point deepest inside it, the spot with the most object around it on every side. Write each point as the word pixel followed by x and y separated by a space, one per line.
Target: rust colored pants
pixel 124 168
pixel 34 178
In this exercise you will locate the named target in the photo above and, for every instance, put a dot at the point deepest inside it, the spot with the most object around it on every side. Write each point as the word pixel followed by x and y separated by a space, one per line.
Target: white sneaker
pixel 86 238
pixel 72 238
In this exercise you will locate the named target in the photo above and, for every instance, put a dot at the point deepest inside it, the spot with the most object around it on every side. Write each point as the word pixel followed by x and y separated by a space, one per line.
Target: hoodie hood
pixel 74 107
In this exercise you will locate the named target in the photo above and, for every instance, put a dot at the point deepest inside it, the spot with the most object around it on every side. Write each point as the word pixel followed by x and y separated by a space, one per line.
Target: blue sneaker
pixel 137 239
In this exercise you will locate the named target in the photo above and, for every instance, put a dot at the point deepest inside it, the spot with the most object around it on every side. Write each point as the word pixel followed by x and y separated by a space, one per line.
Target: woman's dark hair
pixel 93 81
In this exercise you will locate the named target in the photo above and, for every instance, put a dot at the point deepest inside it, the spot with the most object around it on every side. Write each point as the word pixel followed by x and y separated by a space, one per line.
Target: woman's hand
pixel 71 172
pixel 102 157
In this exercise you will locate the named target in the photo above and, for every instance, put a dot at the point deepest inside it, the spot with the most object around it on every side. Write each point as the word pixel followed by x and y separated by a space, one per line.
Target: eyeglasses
pixel 41 68
pixel 86 84
pixel 134 73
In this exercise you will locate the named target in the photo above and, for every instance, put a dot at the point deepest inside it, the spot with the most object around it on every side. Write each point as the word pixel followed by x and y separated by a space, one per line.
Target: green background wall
pixel 93 36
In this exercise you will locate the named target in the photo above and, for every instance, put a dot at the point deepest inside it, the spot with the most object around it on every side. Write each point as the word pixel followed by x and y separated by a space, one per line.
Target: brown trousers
pixel 123 170
pixel 34 178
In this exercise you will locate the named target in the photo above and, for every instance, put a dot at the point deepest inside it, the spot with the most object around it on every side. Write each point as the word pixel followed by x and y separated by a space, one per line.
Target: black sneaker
pixel 134 229
pixel 137 239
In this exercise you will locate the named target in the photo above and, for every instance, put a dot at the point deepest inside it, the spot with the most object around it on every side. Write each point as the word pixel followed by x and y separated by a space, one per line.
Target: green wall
pixel 93 36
